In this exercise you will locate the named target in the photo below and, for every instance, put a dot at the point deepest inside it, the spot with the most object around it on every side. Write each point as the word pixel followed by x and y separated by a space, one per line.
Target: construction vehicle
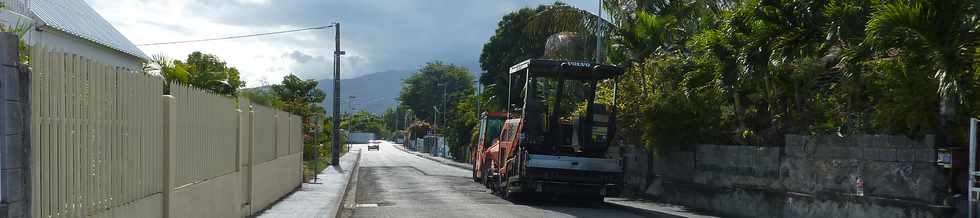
pixel 555 140
pixel 490 124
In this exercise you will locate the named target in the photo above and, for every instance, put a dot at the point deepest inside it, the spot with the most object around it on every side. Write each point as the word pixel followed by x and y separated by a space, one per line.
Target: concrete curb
pixel 349 189
pixel 644 212
pixel 464 166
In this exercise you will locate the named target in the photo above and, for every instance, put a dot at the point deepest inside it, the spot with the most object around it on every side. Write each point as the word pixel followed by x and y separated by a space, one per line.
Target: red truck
pixel 557 140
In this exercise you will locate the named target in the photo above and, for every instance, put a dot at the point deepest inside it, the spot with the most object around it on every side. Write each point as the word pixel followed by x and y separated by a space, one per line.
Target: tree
pixel 301 97
pixel 520 35
pixel 263 97
pixel 200 70
pixel 461 129
pixel 934 37
pixel 209 72
pixel 394 118
pixel 423 91
pixel 447 88
pixel 364 121
pixel 293 88
pixel 325 136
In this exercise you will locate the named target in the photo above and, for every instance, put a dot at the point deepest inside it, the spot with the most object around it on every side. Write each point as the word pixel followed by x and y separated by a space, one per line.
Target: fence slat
pixel 35 137
pixel 62 141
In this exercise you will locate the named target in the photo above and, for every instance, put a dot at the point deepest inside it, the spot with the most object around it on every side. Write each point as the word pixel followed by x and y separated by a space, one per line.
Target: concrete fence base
pixel 811 176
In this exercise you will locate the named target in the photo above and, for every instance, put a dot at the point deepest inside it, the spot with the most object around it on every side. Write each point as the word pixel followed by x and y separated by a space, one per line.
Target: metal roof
pixel 77 18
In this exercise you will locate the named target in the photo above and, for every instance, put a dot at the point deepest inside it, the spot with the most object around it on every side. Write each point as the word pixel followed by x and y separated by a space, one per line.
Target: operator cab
pixel 559 109
pixel 490 130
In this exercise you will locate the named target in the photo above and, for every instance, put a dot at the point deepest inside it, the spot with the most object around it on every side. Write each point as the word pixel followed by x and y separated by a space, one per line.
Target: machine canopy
pixel 569 70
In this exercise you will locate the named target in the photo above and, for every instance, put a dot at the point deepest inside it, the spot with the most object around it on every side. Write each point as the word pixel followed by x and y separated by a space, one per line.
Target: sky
pixel 378 35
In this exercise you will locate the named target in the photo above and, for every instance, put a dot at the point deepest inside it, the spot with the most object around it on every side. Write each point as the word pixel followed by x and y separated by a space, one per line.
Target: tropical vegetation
pixel 441 94
pixel 752 71
pixel 201 70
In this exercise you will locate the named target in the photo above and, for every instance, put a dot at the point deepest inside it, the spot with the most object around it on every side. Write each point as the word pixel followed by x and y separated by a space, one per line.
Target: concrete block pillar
pixel 169 152
pixel 245 153
pixel 15 144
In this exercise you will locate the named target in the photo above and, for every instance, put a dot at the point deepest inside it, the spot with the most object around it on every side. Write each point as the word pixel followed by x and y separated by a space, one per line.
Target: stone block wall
pixel 15 170
pixel 737 166
pixel 890 166
pixel 636 169
pixel 811 176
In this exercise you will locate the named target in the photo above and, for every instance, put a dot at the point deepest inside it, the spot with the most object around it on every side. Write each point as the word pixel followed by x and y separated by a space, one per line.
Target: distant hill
pixel 375 92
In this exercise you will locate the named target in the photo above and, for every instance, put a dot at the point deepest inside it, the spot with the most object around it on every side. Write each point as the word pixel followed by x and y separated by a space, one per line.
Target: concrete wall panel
pixel 271 180
pixel 217 197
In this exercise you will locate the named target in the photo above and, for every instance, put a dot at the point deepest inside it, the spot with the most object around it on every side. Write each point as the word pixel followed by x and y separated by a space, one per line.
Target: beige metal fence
pixel 208 128
pixel 96 132
pixel 264 134
pixel 277 134
pixel 98 145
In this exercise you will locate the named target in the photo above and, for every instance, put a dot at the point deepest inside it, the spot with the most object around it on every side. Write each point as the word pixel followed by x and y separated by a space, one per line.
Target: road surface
pixel 393 183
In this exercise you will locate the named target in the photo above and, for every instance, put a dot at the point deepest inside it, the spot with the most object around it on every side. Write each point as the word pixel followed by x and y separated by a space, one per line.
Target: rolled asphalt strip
pixel 645 208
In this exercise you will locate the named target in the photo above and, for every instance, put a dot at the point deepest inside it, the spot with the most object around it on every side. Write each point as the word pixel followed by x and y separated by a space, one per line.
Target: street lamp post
pixel 335 143
pixel 350 125
pixel 407 112
pixel 476 113
pixel 435 119
pixel 316 149
pixel 444 109
pixel 395 116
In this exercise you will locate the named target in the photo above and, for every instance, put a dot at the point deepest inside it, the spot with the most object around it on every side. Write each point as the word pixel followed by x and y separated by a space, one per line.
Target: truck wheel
pixel 486 179
pixel 513 196
pixel 475 179
pixel 502 186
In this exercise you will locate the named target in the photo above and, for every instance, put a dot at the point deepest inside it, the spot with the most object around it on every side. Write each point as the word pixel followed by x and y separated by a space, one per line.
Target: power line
pixel 236 37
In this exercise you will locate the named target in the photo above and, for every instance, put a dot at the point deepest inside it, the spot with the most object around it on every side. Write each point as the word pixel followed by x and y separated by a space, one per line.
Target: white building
pixel 74 27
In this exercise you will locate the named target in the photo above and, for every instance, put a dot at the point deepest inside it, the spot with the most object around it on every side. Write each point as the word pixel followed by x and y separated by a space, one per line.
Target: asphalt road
pixel 393 183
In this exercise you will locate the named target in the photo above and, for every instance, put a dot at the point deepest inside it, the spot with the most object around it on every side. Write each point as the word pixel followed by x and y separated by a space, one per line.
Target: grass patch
pixel 319 164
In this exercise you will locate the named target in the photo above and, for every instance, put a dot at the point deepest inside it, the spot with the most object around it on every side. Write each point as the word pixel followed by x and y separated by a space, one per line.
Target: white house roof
pixel 77 18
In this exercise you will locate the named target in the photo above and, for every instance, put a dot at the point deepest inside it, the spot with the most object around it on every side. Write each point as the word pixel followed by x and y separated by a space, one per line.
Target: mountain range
pixel 374 92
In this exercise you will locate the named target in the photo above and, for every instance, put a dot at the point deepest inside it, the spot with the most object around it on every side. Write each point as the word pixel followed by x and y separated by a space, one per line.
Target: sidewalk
pixel 646 207
pixel 318 200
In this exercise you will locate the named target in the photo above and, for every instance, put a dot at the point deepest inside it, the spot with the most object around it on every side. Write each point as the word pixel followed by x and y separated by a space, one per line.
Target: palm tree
pixel 939 33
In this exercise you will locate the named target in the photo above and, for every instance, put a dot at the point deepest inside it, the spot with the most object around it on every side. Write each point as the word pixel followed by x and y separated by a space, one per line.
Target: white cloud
pixel 257 2
pixel 377 35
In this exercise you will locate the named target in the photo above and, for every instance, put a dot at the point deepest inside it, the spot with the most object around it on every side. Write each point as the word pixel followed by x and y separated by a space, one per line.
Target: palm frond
pixel 894 24
pixel 564 18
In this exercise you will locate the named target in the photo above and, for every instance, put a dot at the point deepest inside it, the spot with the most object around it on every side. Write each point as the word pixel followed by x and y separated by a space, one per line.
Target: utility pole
pixel 335 158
